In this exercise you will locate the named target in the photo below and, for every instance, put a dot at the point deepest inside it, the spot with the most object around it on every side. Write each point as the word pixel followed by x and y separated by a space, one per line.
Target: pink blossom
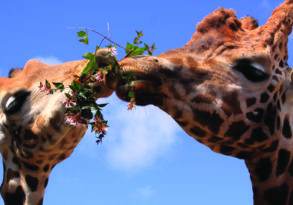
pixel 131 105
pixel 100 126
pixel 73 120
pixel 69 103
pixel 99 77
pixel 44 88
pixel 113 51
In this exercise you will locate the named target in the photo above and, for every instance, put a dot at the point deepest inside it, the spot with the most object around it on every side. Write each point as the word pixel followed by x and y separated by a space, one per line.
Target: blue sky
pixel 145 159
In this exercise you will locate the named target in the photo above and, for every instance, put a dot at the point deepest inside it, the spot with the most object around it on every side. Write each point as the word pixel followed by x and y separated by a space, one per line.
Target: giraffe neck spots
pixel 22 185
pixel 14 198
pixel 272 178
pixel 20 188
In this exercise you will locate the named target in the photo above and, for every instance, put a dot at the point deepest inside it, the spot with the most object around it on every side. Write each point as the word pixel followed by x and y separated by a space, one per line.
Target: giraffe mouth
pixel 143 88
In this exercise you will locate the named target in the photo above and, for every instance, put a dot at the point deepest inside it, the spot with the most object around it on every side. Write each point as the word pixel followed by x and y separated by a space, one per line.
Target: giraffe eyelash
pixel 15 102
pixel 252 71
pixel 258 67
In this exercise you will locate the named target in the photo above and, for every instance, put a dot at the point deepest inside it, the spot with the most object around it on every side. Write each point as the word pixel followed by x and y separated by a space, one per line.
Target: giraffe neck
pixel 22 186
pixel 272 177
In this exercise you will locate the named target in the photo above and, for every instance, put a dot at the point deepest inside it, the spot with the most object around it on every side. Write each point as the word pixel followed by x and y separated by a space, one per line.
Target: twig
pixel 105 37
pixel 101 42
pixel 100 34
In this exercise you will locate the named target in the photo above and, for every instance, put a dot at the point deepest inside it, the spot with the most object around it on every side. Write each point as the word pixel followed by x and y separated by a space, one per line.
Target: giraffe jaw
pixel 144 86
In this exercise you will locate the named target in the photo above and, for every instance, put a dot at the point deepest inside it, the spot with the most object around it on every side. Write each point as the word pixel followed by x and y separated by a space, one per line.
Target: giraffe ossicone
pixel 230 88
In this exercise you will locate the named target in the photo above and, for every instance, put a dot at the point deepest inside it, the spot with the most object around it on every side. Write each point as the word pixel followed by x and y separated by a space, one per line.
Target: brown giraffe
pixel 33 135
pixel 230 88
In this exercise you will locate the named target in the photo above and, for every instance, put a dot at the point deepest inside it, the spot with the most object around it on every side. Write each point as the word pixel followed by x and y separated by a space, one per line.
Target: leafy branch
pixel 81 104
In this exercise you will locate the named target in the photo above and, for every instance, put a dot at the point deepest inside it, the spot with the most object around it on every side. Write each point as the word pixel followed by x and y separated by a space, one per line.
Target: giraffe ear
pixel 14 72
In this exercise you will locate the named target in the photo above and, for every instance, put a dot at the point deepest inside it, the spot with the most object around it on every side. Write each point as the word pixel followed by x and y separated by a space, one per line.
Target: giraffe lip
pixel 143 87
pixel 141 93
pixel 143 90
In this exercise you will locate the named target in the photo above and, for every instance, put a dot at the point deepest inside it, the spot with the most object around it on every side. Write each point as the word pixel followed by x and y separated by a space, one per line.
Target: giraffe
pixel 230 88
pixel 33 134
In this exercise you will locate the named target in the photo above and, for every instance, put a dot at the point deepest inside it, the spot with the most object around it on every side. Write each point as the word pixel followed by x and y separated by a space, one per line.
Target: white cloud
pixel 138 137
pixel 49 60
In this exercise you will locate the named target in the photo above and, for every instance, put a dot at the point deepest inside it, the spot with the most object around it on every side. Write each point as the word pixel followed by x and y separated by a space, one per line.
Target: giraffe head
pixel 33 135
pixel 228 86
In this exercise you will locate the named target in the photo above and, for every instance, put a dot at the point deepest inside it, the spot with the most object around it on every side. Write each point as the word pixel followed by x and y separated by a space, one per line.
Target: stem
pixel 104 37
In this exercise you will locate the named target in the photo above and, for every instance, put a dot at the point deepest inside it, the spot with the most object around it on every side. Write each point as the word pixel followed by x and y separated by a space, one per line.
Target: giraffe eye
pixel 251 71
pixel 15 102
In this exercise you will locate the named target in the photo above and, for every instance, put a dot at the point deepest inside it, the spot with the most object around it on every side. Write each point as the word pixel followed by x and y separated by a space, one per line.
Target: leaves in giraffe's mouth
pixel 143 91
pixel 102 69
pixel 144 88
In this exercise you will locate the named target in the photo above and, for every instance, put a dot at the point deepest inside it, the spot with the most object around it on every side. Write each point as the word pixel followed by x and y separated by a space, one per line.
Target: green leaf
pixel 81 34
pixel 89 56
pixel 59 86
pixel 129 47
pixel 84 41
pixel 91 65
pixel 75 86
pixel 103 105
pixel 152 49
pixel 131 94
pixel 83 37
pixel 137 51
pixel 48 85
pixel 82 95
pixel 68 95
pixel 137 40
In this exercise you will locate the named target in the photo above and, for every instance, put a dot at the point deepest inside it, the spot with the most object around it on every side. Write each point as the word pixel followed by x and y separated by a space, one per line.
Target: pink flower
pixel 99 77
pixel 113 51
pixel 131 104
pixel 73 120
pixel 100 126
pixel 45 88
pixel 68 103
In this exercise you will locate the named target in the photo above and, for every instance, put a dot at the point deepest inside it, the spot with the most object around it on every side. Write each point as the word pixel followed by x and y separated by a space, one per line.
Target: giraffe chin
pixel 145 92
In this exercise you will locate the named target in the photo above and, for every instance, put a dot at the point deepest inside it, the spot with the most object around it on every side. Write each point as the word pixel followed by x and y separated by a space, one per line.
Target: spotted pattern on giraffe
pixel 277 195
pixel 36 138
pixel 241 107
pixel 283 160
pixel 227 88
pixel 15 198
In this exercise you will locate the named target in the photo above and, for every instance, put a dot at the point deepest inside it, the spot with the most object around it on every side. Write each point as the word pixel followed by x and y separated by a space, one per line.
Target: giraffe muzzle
pixel 144 87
